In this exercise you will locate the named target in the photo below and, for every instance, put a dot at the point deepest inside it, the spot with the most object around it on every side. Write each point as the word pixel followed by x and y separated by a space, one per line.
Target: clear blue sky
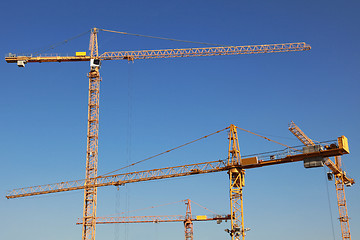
pixel 152 105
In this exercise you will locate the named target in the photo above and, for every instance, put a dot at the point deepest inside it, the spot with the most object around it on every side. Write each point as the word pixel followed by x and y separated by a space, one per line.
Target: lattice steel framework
pixel 154 219
pixel 211 51
pixel 340 193
pixel 90 193
pixel 163 53
pixel 188 224
pixel 294 129
pixel 237 181
pixel 163 173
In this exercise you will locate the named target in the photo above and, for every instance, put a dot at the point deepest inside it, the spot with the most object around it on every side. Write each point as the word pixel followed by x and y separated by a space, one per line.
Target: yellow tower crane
pixel 341 179
pixel 91 180
pixel 234 165
pixel 188 219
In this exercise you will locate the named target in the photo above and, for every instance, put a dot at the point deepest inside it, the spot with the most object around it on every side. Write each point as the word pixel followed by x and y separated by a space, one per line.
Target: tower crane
pixel 233 164
pixel 341 179
pixel 188 219
pixel 91 180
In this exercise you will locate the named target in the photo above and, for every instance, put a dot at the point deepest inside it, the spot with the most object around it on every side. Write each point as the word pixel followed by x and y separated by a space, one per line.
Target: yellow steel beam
pixel 168 53
pixel 153 219
pixel 41 59
pixel 162 173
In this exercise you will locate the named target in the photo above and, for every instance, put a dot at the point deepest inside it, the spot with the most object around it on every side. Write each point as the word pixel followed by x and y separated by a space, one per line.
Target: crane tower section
pixel 340 176
pixel 90 193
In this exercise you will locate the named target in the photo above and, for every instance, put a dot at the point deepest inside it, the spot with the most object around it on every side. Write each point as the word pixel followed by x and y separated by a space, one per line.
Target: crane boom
pixel 166 53
pixel 155 219
pixel 14 58
pixel 170 172
pixel 294 129
pixel 121 179
pixel 138 219
pixel 210 51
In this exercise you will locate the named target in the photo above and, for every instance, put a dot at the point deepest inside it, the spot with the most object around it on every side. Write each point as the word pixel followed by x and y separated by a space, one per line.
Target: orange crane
pixel 90 189
pixel 188 219
pixel 234 165
pixel 341 179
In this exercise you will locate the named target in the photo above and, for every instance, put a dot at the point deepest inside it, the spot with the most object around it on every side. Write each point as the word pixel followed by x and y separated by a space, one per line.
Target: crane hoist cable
pixel 129 134
pixel 329 203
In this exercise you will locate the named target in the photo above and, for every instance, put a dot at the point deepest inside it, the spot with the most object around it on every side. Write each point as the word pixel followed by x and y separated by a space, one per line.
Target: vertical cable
pixel 329 203
pixel 117 212
pixel 156 231
pixel 128 138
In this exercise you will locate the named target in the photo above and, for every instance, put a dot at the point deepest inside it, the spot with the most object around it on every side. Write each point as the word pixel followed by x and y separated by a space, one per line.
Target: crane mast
pixel 237 182
pixel 340 180
pixel 188 224
pixel 90 193
pixel 341 200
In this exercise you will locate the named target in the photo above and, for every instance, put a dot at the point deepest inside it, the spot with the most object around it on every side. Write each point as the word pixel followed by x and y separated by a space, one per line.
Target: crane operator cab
pixel 95 63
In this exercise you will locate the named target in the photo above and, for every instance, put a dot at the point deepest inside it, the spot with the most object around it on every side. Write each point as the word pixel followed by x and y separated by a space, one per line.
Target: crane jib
pixel 22 59
pixel 171 172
